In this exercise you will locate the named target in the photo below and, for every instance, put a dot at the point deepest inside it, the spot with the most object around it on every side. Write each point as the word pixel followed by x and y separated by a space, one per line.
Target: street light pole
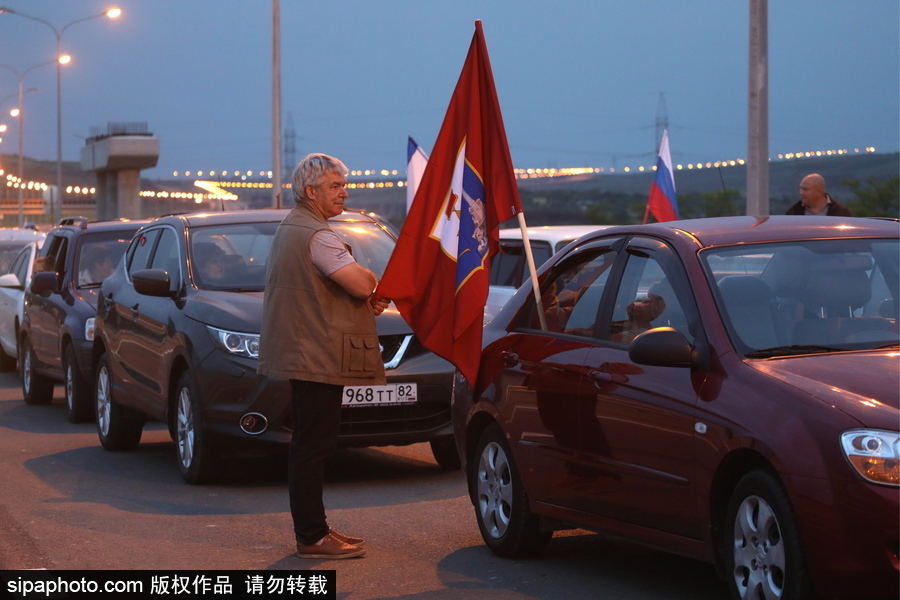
pixel 21 115
pixel 56 204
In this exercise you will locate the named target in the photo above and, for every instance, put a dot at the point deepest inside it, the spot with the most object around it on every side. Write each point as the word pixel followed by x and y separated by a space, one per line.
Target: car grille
pixel 373 420
pixel 395 349
pixel 424 415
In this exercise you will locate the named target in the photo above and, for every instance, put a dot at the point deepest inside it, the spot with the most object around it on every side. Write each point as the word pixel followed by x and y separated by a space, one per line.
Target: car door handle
pixel 600 376
pixel 108 300
pixel 510 359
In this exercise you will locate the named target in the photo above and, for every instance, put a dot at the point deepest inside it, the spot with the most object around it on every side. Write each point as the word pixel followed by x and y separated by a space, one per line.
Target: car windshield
pixel 9 249
pixel 97 255
pixel 233 257
pixel 808 296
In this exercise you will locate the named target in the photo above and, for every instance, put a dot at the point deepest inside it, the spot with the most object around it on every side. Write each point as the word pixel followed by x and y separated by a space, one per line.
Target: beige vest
pixel 312 329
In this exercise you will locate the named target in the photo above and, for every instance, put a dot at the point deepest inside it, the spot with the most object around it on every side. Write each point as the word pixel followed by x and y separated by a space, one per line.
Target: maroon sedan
pixel 726 389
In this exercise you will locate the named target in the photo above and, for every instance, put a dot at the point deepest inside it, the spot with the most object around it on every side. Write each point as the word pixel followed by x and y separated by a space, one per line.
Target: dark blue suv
pixel 60 306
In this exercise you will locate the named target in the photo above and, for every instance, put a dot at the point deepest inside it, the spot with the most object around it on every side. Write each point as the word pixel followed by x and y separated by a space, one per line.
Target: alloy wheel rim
pixel 495 490
pixel 103 401
pixel 70 387
pixel 759 554
pixel 26 370
pixel 185 428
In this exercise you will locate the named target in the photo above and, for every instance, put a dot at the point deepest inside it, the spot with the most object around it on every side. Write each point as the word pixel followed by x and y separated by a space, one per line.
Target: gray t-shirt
pixel 328 252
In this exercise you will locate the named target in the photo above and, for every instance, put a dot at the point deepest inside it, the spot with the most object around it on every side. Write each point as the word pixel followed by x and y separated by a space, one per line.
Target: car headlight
pixel 242 344
pixel 89 329
pixel 874 453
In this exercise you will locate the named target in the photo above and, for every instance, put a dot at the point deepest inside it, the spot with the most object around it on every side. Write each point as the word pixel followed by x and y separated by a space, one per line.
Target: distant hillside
pixel 603 197
pixel 551 200
pixel 784 176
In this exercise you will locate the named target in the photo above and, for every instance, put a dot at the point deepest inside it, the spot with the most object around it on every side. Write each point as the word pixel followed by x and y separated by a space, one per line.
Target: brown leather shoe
pixel 353 541
pixel 330 548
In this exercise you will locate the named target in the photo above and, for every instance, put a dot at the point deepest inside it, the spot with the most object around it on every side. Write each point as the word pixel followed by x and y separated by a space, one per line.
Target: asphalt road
pixel 65 503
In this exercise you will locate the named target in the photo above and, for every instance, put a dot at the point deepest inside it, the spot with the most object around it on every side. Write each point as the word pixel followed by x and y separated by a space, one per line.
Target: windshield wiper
pixel 791 350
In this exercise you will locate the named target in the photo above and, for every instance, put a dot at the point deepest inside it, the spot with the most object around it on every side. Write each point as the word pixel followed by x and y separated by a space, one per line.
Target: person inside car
pixel 210 262
pixel 641 312
pixel 98 265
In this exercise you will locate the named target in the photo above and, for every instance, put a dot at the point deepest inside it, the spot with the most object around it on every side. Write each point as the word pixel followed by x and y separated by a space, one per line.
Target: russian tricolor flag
pixel 662 202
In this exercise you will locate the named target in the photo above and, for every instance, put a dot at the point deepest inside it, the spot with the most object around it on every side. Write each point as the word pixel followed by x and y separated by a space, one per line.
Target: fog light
pixel 253 423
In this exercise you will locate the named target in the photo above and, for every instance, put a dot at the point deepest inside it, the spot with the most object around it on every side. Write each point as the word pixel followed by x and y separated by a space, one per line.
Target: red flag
pixel 438 273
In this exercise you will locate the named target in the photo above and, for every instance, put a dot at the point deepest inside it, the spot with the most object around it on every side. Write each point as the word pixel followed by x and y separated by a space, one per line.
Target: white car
pixel 17 271
pixel 508 267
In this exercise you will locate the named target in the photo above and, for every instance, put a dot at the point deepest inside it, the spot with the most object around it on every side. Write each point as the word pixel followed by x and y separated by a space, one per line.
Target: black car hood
pixel 242 311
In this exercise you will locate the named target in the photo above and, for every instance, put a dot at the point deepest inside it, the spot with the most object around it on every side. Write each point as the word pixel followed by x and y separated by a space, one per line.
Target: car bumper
pixel 850 531
pixel 231 390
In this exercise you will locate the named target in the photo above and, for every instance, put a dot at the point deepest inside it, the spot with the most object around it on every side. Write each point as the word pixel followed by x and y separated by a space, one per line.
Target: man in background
pixel 815 201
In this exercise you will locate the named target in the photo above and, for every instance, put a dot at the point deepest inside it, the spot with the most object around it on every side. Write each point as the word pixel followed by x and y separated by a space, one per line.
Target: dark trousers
pixel 317 415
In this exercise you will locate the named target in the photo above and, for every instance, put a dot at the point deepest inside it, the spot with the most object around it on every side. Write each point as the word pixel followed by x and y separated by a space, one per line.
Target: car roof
pixel 86 226
pixel 264 215
pixel 718 231
pixel 550 233
pixel 19 234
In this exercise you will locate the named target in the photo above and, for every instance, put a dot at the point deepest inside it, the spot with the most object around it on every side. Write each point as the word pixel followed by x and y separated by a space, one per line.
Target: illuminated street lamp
pixel 21 77
pixel 56 205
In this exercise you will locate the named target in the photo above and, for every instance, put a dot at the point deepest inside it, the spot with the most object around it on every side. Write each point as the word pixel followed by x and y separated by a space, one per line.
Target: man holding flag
pixel 438 273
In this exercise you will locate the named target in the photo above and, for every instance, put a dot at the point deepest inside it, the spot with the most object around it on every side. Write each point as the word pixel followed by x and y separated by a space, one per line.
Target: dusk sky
pixel 579 82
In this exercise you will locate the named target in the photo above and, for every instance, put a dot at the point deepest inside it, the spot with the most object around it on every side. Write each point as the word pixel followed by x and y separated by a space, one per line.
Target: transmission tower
pixel 662 120
pixel 290 145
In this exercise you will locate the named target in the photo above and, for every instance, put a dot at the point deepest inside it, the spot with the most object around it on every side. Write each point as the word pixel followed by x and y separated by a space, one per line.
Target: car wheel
pixel 501 503
pixel 444 450
pixel 78 397
pixel 116 429
pixel 765 558
pixel 198 458
pixel 36 389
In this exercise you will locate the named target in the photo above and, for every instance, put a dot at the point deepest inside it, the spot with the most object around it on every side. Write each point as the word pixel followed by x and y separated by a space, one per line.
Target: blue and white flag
pixel 416 161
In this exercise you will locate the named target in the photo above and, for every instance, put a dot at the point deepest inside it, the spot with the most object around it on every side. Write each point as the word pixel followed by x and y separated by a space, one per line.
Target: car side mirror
pixel 663 347
pixel 10 280
pixel 47 281
pixel 152 282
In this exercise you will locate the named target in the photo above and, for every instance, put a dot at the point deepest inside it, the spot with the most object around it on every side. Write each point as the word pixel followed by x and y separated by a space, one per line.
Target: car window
pixel 8 252
pixel 166 257
pixel 572 293
pixel 20 265
pixel 838 294
pixel 97 254
pixel 508 266
pixel 231 257
pixel 140 249
pixel 646 294
pixel 53 258
pixel 372 246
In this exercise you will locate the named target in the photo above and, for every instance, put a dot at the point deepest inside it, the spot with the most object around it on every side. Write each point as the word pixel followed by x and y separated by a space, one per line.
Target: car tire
pixel 763 554
pixel 117 430
pixel 36 388
pixel 198 458
pixel 501 503
pixel 445 453
pixel 79 402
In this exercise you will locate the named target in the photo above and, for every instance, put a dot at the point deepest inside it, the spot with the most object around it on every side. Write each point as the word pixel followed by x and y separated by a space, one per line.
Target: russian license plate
pixel 371 395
